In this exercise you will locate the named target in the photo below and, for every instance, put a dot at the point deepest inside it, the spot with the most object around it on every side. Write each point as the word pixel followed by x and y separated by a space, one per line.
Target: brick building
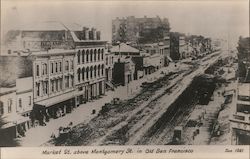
pixel 139 30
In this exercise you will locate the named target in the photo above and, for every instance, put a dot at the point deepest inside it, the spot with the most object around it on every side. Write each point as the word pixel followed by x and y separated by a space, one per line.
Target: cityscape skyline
pixel 228 19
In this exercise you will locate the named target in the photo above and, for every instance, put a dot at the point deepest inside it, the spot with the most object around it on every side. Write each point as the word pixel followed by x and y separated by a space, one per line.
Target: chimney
pixel 86 33
pixel 98 35
pixel 93 33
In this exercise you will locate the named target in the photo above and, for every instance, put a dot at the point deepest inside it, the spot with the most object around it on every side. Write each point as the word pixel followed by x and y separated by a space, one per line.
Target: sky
pixel 216 19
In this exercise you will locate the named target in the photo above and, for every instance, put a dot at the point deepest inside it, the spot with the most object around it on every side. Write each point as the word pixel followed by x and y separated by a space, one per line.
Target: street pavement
pixel 36 136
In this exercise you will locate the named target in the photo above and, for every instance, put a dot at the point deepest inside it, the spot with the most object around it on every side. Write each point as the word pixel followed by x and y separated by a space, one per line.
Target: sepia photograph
pixel 123 73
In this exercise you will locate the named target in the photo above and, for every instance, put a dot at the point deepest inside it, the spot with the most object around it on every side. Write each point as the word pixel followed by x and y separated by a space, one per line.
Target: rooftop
pixel 24 84
pixel 7 90
pixel 244 89
pixel 124 48
pixel 53 52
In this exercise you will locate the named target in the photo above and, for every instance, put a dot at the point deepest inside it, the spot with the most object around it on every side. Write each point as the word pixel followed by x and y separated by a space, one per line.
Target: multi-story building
pixel 16 96
pixel 240 120
pixel 156 50
pixel 24 96
pixel 54 74
pixel 177 43
pixel 68 66
pixel 90 65
pixel 244 59
pixel 15 122
pixel 124 70
pixel 139 30
pixel 109 66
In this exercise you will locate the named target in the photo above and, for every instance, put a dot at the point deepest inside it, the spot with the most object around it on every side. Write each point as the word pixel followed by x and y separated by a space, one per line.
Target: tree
pixel 6 140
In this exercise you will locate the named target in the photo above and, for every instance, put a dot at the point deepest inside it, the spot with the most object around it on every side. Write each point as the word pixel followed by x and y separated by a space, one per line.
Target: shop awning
pixel 13 120
pixel 57 99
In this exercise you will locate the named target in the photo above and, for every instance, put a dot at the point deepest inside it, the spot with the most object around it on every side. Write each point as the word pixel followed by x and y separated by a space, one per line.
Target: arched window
pixel 106 60
pixel 56 67
pixel 83 56
pixel 37 70
pixel 79 57
pixel 87 72
pixel 60 66
pixel 95 71
pixel 91 71
pixel 95 55
pixel 91 55
pixel 98 70
pixel 102 55
pixel 79 74
pixel 102 69
pixel 83 73
pixel 45 68
pixel 52 67
pixel 72 65
pixel 87 55
pixel 98 57
pixel 66 65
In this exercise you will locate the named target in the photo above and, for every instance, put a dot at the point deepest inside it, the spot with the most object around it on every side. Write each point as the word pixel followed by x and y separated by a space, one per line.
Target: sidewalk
pixel 203 138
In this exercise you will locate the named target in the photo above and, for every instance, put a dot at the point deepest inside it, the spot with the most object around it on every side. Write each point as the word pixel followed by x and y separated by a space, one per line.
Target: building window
pixel 78 57
pixel 20 102
pixel 45 87
pixel 95 71
pixel 1 108
pixel 9 105
pixel 83 56
pixel 106 60
pixel 72 65
pixel 38 89
pixel 52 67
pixel 56 67
pixel 87 73
pixel 52 86
pixel 72 81
pixel 95 55
pixel 29 100
pixel 98 70
pixel 87 56
pixel 60 84
pixel 66 65
pixel 102 69
pixel 91 72
pixel 102 55
pixel 60 66
pixel 57 84
pixel 37 70
pixel 91 55
pixel 83 72
pixel 79 74
pixel 98 57
pixel 45 68
pixel 66 81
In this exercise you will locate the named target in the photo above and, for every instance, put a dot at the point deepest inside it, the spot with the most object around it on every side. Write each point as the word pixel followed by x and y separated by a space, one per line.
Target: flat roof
pixel 7 90
pixel 244 89
pixel 54 52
